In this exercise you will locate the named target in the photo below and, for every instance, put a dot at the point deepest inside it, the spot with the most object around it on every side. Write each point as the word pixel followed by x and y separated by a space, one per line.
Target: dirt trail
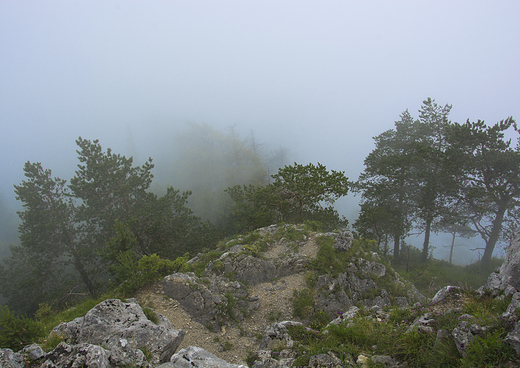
pixel 235 341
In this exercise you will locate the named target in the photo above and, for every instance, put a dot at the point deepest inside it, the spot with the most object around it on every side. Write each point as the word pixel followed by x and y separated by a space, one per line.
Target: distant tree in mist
pixel 8 226
pixel 207 161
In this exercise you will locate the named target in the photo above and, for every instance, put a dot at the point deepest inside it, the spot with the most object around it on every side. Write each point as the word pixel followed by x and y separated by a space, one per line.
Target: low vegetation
pixel 369 333
pixel 392 334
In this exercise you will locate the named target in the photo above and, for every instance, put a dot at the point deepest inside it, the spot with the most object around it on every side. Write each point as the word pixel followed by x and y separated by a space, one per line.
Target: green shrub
pixel 133 273
pixel 225 309
pixel 312 225
pixel 252 357
pixel 16 332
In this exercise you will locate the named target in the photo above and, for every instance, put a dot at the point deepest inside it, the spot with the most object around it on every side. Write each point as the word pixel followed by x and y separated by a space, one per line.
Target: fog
pixel 319 79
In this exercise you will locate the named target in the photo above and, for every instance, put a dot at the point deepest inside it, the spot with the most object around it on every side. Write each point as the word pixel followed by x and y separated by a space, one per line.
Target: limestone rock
pixel 193 295
pixel 463 337
pixel 443 293
pixel 510 270
pixel 283 360
pixel 82 355
pixel 253 270
pixel 124 328
pixel 509 275
pixel 33 351
pixel 9 359
pixel 325 360
pixel 513 338
pixel 343 241
pixel 209 300
pixel 193 356
pixel 385 361
pixel 277 334
pixel 513 306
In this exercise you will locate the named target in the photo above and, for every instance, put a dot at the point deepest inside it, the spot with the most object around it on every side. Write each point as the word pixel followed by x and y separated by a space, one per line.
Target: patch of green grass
pixel 488 351
pixel 274 316
pixel 226 346
pixel 333 262
pixel 319 320
pixel 303 302
pixel 429 277
pixel 251 238
pixel 51 341
pixel 199 267
pixel 399 315
pixel 150 314
pixel 291 233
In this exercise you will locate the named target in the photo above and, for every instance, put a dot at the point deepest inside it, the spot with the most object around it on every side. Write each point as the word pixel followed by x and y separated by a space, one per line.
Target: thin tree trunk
pixel 452 245
pixel 426 244
pixel 397 238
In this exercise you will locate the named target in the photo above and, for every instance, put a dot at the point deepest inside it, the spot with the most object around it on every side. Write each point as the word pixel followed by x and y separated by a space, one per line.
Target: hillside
pixel 294 250
pixel 285 296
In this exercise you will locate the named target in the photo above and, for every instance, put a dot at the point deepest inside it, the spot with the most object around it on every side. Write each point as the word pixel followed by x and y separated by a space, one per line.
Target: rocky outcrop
pixel 124 329
pixel 343 241
pixel 222 293
pixel 10 359
pixel 360 285
pixel 507 279
pixel 193 356
pixel 210 301
pixel 278 335
pixel 112 334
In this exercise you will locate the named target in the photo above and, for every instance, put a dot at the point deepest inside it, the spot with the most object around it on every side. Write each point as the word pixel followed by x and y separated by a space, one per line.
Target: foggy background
pixel 316 78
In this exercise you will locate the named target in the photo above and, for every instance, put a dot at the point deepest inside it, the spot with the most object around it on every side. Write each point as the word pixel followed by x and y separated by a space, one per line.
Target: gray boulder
pixel 33 351
pixel 277 334
pixel 193 295
pixel 250 269
pixel 325 360
pixel 510 270
pixel 509 275
pixel 345 316
pixel 9 359
pixel 193 356
pixel 464 334
pixel 343 241
pixel 124 329
pixel 513 338
pixel 209 300
pixel 82 355
pixel 443 293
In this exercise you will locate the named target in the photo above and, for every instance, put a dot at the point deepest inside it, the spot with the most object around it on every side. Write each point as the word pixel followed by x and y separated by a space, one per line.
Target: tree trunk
pixel 452 245
pixel 494 235
pixel 397 238
pixel 84 276
pixel 426 244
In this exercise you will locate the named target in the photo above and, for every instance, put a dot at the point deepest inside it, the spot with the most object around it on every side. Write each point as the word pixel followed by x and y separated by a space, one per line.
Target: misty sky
pixel 320 78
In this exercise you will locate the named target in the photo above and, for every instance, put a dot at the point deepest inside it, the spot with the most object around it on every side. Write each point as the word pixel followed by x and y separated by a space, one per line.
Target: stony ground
pixel 235 341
